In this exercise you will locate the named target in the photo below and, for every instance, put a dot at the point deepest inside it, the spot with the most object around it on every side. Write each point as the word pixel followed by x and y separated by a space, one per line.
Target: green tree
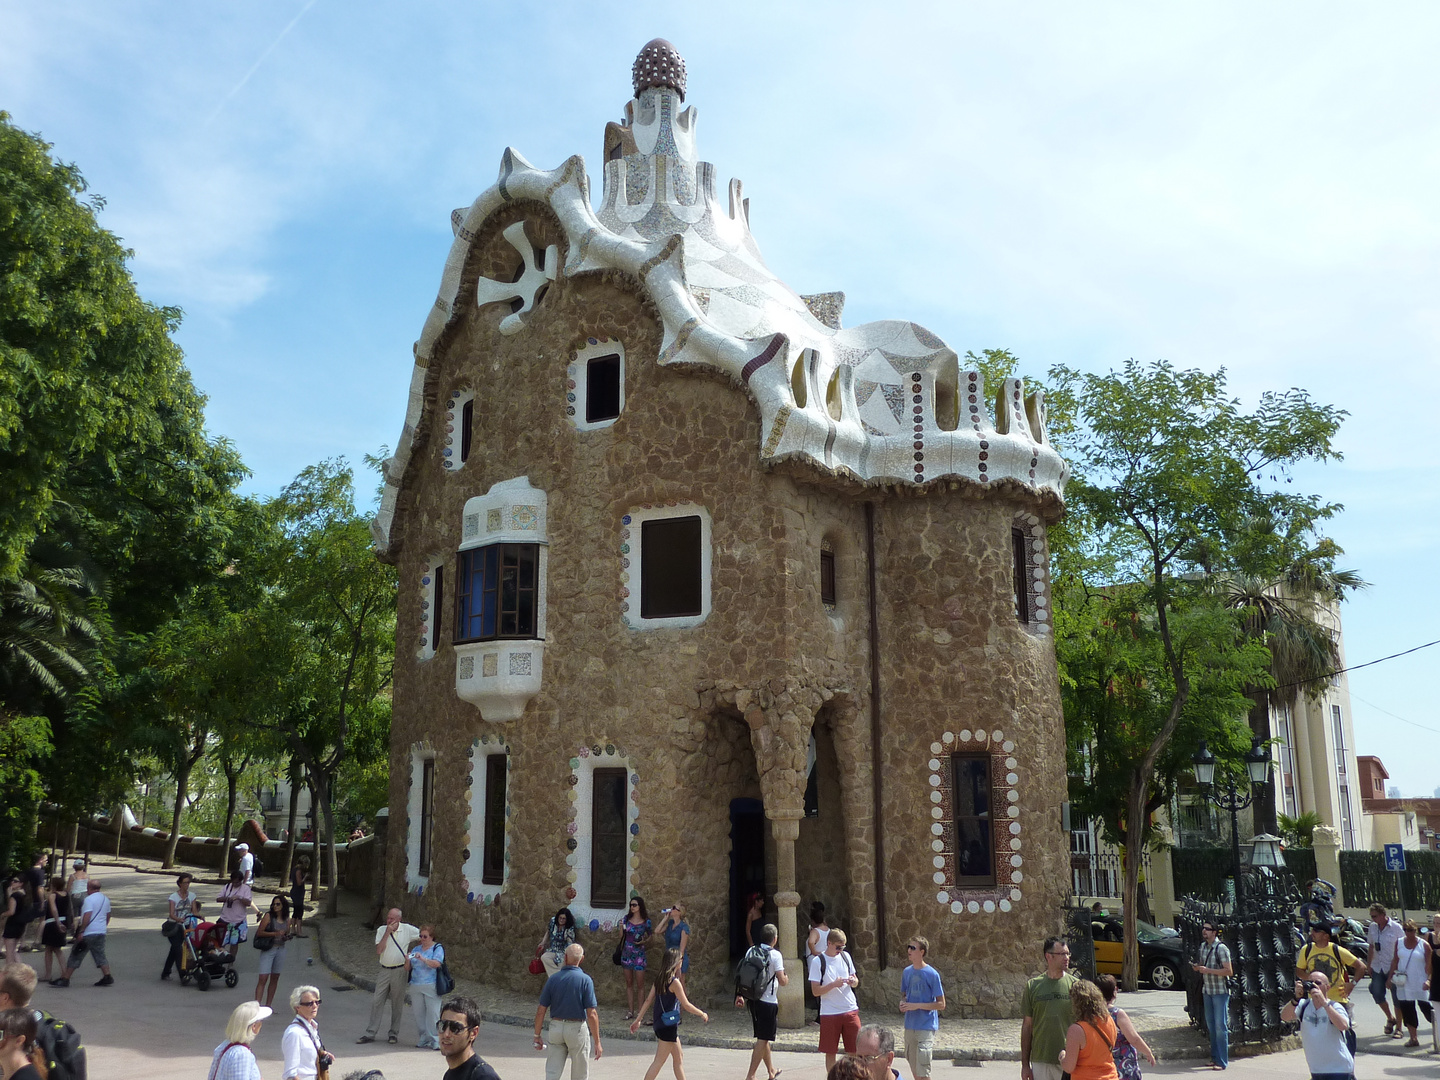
pixel 1168 466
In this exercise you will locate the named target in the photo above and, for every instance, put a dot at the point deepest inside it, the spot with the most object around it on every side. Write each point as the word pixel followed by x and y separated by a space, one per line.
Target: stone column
pixel 785 827
pixel 1326 843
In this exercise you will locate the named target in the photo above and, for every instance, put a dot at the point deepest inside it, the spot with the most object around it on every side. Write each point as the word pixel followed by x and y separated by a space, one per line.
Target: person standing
pixel 17 911
pixel 55 923
pixel 569 995
pixel 1433 974
pixel 392 944
pixel 922 1000
pixel 1407 981
pixel 1128 1043
pixel 298 875
pixel 274 927
pixel 676 932
pixel 668 994
pixel 559 936
pixel 1342 968
pixel 765 1009
pixel 233 1059
pixel 1216 968
pixel 78 886
pixel 458 1026
pixel 1091 1038
pixel 754 918
pixel 814 946
pixel 35 879
pixel 236 903
pixel 1324 1026
pixel 833 980
pixel 1045 1008
pixel 634 934
pixel 90 937
pixel 301 1046
pixel 247 864
pixel 184 905
pixel 422 963
pixel 1383 935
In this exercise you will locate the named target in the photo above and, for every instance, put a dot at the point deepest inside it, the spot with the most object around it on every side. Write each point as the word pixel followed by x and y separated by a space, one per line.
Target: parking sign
pixel 1394 857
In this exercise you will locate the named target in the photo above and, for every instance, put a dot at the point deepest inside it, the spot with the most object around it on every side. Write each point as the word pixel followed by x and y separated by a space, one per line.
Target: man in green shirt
pixel 1046 1009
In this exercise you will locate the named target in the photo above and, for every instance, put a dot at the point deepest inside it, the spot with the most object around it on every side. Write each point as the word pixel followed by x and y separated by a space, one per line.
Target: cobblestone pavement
pixel 142 1027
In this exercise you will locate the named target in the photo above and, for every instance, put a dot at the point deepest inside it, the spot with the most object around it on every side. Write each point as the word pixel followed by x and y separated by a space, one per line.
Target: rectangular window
pixel 670 572
pixel 427 812
pixel 492 871
pixel 467 420
pixel 974 837
pixel 827 577
pixel 496 594
pixel 1021 575
pixel 608 847
pixel 437 605
pixel 602 388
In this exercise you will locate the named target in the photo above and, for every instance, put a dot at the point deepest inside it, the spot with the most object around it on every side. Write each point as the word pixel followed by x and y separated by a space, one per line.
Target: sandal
pixel 629 1016
pixel 1413 1042
pixel 1389 1027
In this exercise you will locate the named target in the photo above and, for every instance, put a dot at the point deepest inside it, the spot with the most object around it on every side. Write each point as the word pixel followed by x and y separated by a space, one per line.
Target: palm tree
pixel 45 633
pixel 1299 831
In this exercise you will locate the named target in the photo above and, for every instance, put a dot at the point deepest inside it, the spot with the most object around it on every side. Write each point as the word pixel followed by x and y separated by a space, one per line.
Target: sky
pixel 1231 185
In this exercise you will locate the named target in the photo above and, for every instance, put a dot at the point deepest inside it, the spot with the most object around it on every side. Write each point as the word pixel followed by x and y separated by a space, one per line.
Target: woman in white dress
pixel 1408 979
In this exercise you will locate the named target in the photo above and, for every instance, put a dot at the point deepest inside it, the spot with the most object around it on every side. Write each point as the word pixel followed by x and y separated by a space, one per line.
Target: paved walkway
pixel 141 1025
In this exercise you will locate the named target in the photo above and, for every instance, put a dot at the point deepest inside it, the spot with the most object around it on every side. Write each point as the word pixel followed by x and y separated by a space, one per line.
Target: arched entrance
pixel 748 830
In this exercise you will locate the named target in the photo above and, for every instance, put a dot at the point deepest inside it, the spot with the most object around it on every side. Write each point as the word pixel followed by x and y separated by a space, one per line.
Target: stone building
pixel 704 592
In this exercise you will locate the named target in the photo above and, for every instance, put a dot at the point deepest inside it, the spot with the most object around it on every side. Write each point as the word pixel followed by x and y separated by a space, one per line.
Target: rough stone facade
pixel 710 716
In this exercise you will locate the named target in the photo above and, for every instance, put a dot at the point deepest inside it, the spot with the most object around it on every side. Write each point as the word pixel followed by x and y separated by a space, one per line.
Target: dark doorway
pixel 747 864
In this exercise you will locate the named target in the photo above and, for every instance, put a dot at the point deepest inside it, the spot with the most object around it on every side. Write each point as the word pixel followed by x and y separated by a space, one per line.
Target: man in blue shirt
pixel 569 994
pixel 921 1000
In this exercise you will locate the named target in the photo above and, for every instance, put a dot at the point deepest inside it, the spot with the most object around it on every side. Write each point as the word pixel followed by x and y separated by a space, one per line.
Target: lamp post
pixel 1230 797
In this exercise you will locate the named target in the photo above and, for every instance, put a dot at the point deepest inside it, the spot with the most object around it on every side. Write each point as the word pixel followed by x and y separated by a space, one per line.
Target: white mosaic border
pixel 578 839
pixel 420 752
pixel 576 381
pixel 429 610
pixel 474 866
pixel 1038 564
pixel 1003 895
pixel 454 410
pixel 631 553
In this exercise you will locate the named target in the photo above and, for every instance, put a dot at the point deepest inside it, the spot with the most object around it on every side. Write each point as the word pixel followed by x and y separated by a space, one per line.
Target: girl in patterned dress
pixel 636 931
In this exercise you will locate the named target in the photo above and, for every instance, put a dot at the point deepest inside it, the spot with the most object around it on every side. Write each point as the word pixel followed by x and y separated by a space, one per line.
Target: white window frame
pixel 579 860
pixel 420 753
pixel 476 891
pixel 577 382
pixel 633 555
pixel 450 441
pixel 430 613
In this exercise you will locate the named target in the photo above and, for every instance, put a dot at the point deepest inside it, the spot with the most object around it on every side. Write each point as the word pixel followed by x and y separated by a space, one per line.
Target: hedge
pixel 1365 881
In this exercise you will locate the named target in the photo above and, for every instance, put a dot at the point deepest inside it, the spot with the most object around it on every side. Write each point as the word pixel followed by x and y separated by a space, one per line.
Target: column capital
pixel 787 899
pixel 785 829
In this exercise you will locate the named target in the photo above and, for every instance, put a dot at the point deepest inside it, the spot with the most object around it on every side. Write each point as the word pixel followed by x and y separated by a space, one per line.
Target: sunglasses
pixel 307 1004
pixel 453 1027
pixel 911 948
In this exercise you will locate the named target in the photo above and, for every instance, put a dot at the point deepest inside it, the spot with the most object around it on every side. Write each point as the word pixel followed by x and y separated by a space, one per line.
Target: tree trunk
pixel 1134 853
pixel 332 867
pixel 232 782
pixel 1264 810
pixel 182 783
pixel 290 832
pixel 316 861
pixel 120 828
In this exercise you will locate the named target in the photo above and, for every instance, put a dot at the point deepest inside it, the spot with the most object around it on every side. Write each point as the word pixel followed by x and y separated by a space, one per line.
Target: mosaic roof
pixel 882 402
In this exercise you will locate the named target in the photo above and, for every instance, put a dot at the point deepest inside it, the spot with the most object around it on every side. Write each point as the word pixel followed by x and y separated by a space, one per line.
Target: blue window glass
pixel 496 592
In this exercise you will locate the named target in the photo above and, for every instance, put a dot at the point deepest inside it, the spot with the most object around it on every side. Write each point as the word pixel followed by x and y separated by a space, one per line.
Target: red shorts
pixel 836 1026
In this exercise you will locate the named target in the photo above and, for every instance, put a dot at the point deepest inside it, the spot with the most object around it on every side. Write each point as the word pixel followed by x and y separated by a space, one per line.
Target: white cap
pixel 265 1011
pixel 242 847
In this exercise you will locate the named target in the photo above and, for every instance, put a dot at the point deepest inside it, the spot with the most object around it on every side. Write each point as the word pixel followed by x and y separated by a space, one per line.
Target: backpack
pixel 752 977
pixel 59 1053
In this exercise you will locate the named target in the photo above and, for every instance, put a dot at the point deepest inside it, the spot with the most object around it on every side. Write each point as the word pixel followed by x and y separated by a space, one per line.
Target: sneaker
pixel 365 1039
pixel 164 975
pixel 393 1039
pixel 108 980
pixel 61 982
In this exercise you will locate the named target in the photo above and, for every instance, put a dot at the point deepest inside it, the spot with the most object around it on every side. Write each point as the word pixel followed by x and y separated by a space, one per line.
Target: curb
pixel 960 1055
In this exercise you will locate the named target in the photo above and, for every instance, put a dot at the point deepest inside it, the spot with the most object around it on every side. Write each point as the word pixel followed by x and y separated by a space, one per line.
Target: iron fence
pixel 1101 874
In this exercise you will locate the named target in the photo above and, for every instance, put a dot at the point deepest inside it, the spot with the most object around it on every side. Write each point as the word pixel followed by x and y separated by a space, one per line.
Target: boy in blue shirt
pixel 921 1000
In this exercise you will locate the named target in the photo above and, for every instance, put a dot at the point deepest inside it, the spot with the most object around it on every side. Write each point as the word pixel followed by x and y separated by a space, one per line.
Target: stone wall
pixel 721 711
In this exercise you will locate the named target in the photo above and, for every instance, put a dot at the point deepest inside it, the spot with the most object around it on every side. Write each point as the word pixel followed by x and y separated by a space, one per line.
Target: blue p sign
pixel 1394 858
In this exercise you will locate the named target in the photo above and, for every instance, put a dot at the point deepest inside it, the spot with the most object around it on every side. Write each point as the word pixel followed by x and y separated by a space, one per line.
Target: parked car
pixel 1162 957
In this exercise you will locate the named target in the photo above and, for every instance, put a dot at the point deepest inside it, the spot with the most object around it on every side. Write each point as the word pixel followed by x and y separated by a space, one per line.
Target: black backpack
pixel 58 1051
pixel 752 977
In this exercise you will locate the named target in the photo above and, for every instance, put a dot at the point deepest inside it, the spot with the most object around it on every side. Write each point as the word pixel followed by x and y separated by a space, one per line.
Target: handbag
pixel 619 950
pixel 536 967
pixel 671 1016
pixel 264 944
pixel 444 981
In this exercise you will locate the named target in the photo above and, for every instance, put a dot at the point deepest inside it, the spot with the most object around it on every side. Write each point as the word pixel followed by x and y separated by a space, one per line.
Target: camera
pixel 326 1059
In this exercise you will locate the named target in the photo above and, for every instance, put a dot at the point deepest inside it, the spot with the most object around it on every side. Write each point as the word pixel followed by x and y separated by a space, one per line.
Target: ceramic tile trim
pixel 474 839
pixel 1006 830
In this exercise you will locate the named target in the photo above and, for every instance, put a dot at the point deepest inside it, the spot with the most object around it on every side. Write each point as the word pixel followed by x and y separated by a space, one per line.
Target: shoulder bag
pixel 444 981
pixel 264 942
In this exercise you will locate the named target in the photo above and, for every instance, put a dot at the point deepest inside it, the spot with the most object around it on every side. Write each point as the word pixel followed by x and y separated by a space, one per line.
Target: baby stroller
pixel 206 958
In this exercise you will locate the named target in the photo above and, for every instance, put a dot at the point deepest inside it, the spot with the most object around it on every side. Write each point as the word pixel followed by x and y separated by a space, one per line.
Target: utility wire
pixel 1394 716
pixel 1357 667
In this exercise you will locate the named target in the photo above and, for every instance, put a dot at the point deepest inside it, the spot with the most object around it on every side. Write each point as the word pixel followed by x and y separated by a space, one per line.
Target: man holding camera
pixel 1323 1027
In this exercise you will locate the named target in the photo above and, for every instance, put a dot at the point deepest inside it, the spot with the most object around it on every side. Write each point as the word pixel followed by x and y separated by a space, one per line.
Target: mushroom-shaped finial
pixel 659 64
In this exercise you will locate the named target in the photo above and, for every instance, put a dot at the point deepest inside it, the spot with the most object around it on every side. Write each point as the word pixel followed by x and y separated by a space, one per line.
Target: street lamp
pixel 1231 798
pixel 1265 850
